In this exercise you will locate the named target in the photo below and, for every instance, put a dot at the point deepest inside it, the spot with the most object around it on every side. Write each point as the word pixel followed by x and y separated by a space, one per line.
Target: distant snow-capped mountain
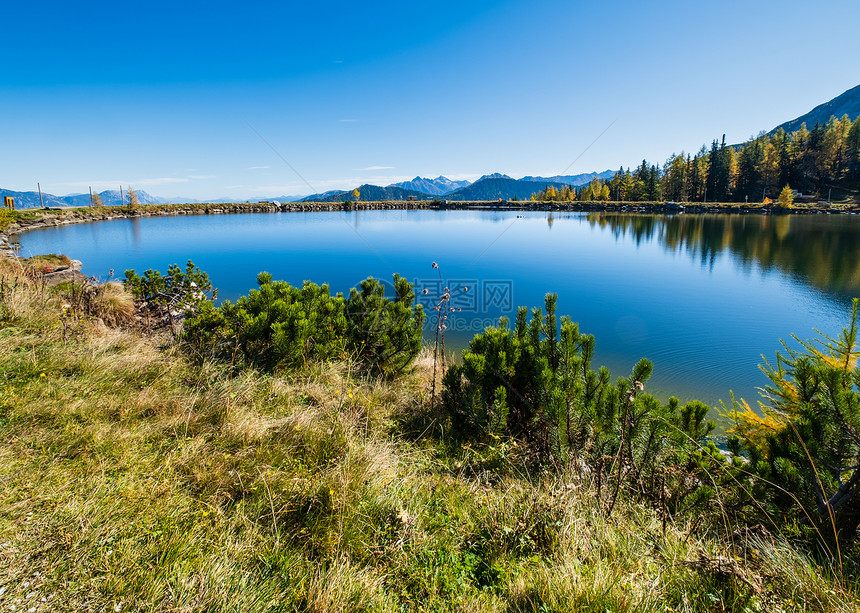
pixel 435 187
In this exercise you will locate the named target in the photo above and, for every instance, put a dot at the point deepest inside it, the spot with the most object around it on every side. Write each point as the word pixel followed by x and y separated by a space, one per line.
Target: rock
pixel 60 276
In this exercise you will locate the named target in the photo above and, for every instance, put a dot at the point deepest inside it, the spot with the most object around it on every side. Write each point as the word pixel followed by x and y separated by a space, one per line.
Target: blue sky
pixel 207 99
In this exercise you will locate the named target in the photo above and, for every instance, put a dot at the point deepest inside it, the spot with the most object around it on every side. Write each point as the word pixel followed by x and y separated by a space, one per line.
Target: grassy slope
pixel 132 480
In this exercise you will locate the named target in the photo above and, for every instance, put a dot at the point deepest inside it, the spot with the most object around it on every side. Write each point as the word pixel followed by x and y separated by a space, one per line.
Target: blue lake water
pixel 703 296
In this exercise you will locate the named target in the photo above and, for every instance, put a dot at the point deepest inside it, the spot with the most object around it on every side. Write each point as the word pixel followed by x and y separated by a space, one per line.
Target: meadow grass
pixel 134 480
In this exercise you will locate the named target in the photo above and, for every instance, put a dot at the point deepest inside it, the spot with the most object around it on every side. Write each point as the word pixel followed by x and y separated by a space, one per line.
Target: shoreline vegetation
pixel 277 474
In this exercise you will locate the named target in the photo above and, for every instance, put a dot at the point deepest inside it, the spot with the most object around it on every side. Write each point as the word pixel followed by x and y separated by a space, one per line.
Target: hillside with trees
pixel 821 163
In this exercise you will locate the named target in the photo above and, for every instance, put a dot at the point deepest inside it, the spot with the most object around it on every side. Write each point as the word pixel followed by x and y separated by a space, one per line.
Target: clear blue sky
pixel 169 97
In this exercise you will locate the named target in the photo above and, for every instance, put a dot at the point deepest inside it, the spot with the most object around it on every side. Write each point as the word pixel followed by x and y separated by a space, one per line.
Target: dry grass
pixel 133 480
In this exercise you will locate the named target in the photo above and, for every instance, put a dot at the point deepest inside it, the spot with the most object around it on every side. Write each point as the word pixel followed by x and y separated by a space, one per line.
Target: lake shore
pixel 33 219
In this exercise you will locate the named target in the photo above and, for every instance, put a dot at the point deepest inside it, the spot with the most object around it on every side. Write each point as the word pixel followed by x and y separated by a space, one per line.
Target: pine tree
pixel 699 175
pixel 853 146
pixel 750 181
pixel 653 185
pixel 804 446
pixel 719 172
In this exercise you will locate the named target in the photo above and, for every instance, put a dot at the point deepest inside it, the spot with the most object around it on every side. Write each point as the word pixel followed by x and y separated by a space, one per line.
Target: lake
pixel 702 296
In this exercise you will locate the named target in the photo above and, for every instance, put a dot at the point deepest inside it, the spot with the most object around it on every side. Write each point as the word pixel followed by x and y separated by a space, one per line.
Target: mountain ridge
pixel 369 193
pixel 573 180
pixel 846 103
pixel 500 187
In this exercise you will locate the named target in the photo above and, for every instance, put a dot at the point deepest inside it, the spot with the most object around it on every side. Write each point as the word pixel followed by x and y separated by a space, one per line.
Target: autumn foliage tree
pixel 786 198
pixel 133 202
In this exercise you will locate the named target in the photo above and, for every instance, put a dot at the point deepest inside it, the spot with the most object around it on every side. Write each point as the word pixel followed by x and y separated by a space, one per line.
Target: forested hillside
pixel 822 162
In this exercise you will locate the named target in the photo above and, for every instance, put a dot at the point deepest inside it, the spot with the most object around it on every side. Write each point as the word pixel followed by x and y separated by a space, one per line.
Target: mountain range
pixel 435 187
pixel 110 197
pixel 489 187
pixel 369 193
pixel 496 187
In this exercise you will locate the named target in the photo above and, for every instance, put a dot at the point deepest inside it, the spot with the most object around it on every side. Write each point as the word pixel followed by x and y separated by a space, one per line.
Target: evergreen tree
pixel 713 171
pixel 719 173
pixel 853 148
pixel 799 144
pixel 699 175
pixel 803 441
pixel 750 182
pixel 653 185
pixel 782 156
pixel 641 177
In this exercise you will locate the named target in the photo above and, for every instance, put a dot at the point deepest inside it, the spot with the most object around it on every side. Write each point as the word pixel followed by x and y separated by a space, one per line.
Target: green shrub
pixel 166 300
pixel 385 335
pixel 178 290
pixel 280 326
pixel 7 217
pixel 805 440
pixel 535 383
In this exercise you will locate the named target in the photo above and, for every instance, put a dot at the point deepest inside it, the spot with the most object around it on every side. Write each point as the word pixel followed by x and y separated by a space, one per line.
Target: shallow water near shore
pixel 703 296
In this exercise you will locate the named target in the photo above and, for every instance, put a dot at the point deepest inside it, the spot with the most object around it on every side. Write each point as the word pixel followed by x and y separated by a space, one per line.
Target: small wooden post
pixel 91 195
pixel 121 199
pixel 41 204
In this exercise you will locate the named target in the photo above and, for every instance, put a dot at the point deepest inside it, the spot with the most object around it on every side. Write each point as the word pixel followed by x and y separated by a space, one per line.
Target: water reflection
pixel 135 231
pixel 824 253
